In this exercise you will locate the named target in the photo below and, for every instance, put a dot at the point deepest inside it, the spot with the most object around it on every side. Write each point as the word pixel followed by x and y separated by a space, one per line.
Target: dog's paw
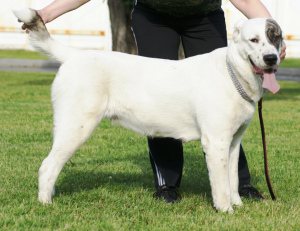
pixel 224 209
pixel 45 198
pixel 229 210
pixel 236 200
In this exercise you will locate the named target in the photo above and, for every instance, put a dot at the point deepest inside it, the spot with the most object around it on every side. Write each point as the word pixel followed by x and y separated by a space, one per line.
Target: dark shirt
pixel 183 8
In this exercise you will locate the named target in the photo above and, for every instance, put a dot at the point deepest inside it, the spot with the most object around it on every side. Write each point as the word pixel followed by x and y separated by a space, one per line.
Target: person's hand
pixel 283 53
pixel 24 27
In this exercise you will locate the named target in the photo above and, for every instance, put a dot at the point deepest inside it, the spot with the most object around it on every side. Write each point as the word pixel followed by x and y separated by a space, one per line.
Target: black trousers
pixel 159 36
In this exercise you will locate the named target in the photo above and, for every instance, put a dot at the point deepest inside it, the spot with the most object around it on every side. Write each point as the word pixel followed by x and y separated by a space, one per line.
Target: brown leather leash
pixel 265 149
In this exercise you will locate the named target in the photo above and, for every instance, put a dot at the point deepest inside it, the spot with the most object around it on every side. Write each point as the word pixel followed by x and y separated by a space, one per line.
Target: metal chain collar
pixel 237 84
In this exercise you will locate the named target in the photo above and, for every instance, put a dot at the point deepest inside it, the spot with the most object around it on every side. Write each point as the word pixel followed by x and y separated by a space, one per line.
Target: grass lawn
pixel 22 54
pixel 290 63
pixel 118 194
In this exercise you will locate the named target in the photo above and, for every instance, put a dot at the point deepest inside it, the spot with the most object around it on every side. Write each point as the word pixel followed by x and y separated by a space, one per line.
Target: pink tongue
pixel 270 82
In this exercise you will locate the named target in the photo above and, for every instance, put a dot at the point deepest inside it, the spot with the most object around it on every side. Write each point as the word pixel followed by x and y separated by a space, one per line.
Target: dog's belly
pixel 184 131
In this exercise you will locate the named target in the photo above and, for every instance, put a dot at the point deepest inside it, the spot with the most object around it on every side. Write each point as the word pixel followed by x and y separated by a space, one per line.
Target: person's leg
pixel 244 174
pixel 246 190
pixel 156 38
pixel 204 34
pixel 166 155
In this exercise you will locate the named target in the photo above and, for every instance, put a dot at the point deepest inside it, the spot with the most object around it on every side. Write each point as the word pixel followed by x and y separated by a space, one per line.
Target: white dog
pixel 208 97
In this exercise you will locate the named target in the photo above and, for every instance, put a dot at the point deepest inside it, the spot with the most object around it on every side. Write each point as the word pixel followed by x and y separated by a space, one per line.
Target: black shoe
pixel 168 194
pixel 249 192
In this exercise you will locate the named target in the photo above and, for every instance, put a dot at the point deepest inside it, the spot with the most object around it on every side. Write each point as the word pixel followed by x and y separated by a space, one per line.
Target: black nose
pixel 270 59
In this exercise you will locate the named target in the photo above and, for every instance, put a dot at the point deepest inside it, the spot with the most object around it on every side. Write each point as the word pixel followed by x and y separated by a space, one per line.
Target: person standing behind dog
pixel 158 27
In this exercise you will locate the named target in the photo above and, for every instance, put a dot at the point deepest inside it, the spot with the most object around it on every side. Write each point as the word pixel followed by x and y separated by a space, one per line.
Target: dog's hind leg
pixel 216 154
pixel 72 128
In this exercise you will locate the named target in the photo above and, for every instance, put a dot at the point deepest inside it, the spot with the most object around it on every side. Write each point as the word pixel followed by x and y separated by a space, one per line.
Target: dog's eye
pixel 254 40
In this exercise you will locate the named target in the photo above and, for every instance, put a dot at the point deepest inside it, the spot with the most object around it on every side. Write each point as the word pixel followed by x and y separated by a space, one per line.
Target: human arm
pixel 252 8
pixel 256 9
pixel 57 8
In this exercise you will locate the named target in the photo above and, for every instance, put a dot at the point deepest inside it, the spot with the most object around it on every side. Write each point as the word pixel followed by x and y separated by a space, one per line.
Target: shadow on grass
pixel 195 178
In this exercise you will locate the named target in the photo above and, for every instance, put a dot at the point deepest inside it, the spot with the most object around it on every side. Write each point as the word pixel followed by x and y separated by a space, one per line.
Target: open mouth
pixel 267 76
pixel 261 72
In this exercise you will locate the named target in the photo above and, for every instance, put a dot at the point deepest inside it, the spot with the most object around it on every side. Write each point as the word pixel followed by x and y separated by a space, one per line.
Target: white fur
pixel 24 15
pixel 192 99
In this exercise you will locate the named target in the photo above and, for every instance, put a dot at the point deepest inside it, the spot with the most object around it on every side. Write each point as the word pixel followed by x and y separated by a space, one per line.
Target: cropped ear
pixel 237 30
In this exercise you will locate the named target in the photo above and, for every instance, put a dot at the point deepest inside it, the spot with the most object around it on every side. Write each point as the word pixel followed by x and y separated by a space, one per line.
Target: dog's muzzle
pixel 268 75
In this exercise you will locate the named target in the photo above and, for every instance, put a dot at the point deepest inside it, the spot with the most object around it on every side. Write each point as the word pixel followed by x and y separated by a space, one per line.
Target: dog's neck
pixel 249 81
pixel 236 83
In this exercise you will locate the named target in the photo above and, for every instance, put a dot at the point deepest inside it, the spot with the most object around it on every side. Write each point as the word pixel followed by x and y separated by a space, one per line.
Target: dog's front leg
pixel 217 163
pixel 233 173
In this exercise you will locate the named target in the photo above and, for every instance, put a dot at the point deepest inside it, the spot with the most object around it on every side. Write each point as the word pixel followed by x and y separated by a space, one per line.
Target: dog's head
pixel 259 42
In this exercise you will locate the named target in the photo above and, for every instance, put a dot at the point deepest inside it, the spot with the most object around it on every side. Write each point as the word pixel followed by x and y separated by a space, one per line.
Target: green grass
pixel 22 54
pixel 290 63
pixel 118 194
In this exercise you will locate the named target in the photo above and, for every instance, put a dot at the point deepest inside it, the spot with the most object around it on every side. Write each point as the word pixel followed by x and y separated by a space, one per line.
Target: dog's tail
pixel 40 38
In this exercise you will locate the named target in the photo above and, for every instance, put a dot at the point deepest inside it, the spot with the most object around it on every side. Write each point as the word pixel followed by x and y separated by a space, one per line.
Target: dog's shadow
pixel 194 181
